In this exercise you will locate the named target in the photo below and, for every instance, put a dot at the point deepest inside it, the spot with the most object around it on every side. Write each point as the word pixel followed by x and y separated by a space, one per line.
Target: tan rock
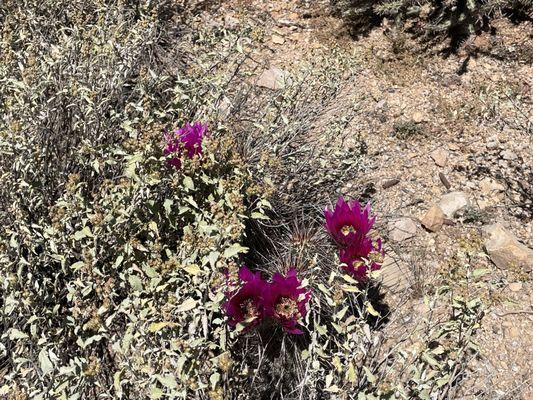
pixel 514 332
pixel 489 186
pixel 273 78
pixel 294 16
pixel 418 117
pixel 297 36
pixel 440 156
pixel 433 218
pixel 482 42
pixel 505 250
pixel 224 107
pixel 515 286
pixel 484 204
pixel 277 39
pixel 396 275
pixel 453 147
pixel 509 155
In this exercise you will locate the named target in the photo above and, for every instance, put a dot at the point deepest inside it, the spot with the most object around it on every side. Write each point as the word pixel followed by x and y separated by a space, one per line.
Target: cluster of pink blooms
pixel 186 141
pixel 283 300
pixel 349 225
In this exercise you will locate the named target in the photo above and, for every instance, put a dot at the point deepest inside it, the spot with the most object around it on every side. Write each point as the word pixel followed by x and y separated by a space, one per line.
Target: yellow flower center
pixel 249 309
pixel 376 257
pixel 347 229
pixel 287 308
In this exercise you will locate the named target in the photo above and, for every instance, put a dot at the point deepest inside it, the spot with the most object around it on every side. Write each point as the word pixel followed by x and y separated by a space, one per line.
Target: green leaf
pixel 135 283
pixel 96 165
pixel 129 171
pixel 341 313
pixel 153 227
pixel 77 265
pixel 167 205
pixel 117 385
pixel 168 381
pixel 44 362
pixel 259 215
pixel 213 258
pixel 430 360
pixel 118 261
pixel 214 378
pixel 187 305
pixel 243 324
pixel 16 334
pixel 78 235
pixel 234 249
pixel 322 331
pixel 193 269
pixel 191 201
pixel 371 310
pixel 351 374
pixel 157 326
pixel 369 375
pixel 481 272
pixel 350 288
pixel 188 183
pixel 323 289
pixel 155 393
pixel 349 279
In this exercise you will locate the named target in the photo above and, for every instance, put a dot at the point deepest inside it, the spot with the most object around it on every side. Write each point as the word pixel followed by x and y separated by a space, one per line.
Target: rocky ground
pixel 448 166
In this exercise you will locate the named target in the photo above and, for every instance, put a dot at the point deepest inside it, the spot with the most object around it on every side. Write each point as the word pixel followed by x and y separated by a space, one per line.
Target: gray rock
pixel 505 250
pixel 402 229
pixel 231 23
pixel 381 104
pixel 224 108
pixel 508 155
pixel 452 202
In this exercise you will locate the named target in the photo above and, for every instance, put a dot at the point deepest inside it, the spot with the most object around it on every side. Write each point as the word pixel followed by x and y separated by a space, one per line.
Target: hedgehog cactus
pixel 454 18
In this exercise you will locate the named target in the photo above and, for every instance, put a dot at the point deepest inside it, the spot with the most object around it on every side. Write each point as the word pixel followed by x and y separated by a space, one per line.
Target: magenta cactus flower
pixel 246 303
pixel 361 256
pixel 286 301
pixel 186 140
pixel 348 221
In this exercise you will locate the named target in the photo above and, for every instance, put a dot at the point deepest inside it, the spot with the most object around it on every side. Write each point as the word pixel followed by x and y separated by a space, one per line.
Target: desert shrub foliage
pixel 115 263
